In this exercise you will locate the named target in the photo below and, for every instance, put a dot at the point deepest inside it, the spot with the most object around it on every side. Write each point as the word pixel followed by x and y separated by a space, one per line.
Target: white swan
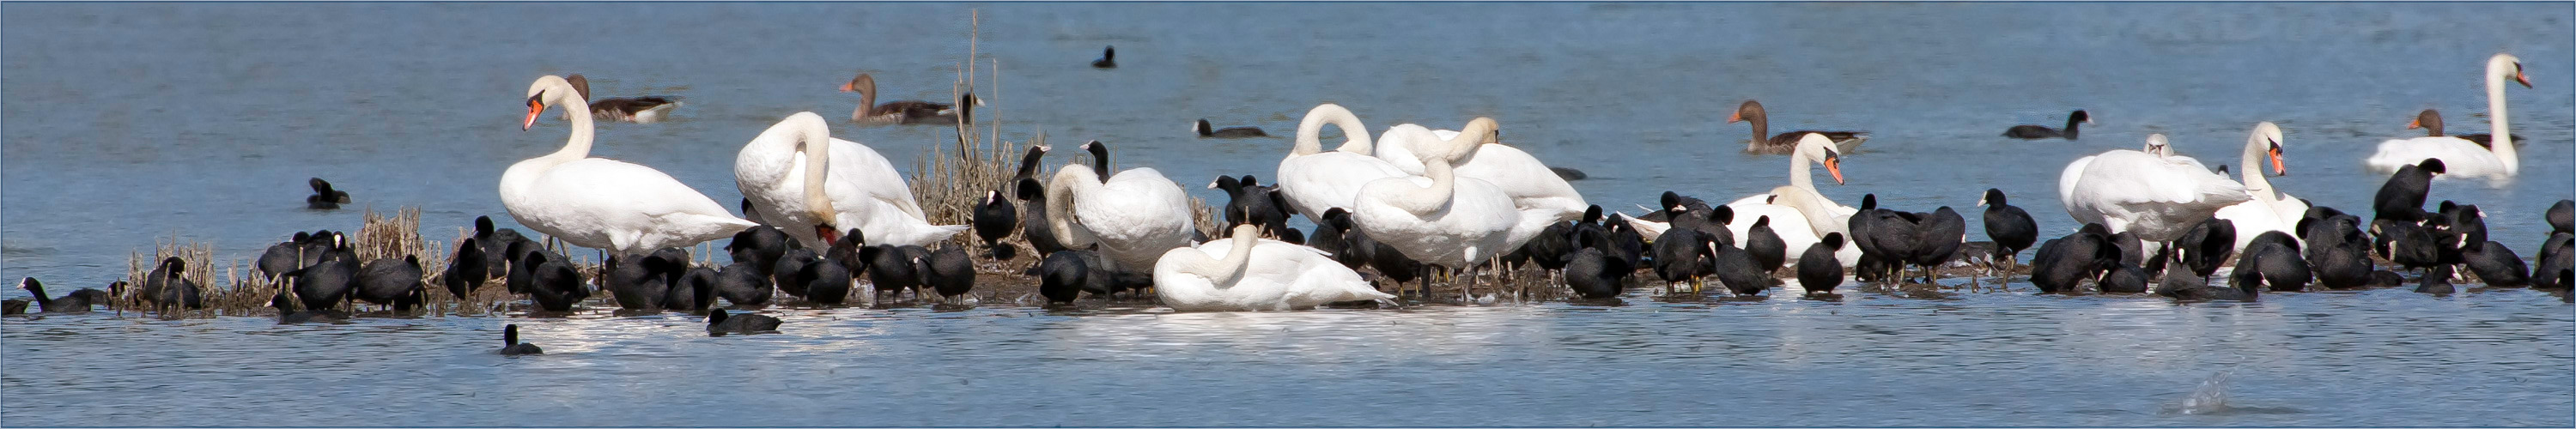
pixel 2462 157
pixel 1247 273
pixel 1536 190
pixel 1798 213
pixel 1440 218
pixel 601 203
pixel 2269 209
pixel 1314 180
pixel 2157 196
pixel 1134 215
pixel 861 187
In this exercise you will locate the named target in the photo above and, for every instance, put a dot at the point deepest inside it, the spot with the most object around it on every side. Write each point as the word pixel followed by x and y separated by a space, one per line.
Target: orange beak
pixel 845 87
pixel 2414 123
pixel 2277 169
pixel 2525 80
pixel 825 231
pixel 534 108
pixel 1835 166
pixel 1735 117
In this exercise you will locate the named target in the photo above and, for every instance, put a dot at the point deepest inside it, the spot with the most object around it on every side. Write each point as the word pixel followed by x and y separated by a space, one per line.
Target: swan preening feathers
pixel 780 170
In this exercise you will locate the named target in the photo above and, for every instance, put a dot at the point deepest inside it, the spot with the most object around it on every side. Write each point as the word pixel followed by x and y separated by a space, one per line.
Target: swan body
pixel 861 187
pixel 1536 191
pixel 2268 209
pixel 1799 215
pixel 2157 196
pixel 1439 218
pixel 1134 216
pixel 2462 157
pixel 1315 180
pixel 1247 273
pixel 602 203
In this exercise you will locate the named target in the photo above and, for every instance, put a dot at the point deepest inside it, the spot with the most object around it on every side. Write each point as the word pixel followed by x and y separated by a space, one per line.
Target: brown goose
pixel 894 112
pixel 2431 122
pixel 1785 143
pixel 642 110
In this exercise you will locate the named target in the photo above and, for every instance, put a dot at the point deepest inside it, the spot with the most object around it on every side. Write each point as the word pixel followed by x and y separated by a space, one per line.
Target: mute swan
pixel 1537 191
pixel 2269 210
pixel 894 112
pixel 2431 121
pixel 860 189
pixel 1314 180
pixel 601 203
pixel 2156 196
pixel 1785 143
pixel 1439 218
pixel 2462 157
pixel 1799 215
pixel 2035 132
pixel 1247 273
pixel 1133 215
pixel 642 110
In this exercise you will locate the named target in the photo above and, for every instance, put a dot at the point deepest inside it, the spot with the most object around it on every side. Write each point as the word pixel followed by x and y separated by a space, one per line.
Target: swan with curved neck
pixel 2496 161
pixel 2269 209
pixel 1439 218
pixel 1134 215
pixel 2157 196
pixel 1315 180
pixel 1255 274
pixel 1536 190
pixel 602 203
pixel 1817 149
pixel 812 186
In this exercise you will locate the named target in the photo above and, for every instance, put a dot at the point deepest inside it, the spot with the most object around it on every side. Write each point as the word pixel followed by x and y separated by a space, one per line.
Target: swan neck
pixel 1424 201
pixel 578 146
pixel 2503 139
pixel 2251 167
pixel 1798 168
pixel 816 142
pixel 1224 271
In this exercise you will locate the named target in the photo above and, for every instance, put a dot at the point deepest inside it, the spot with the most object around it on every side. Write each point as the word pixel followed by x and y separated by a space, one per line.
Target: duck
pixel 79 301
pixel 2496 161
pixel 391 281
pixel 600 203
pixel 2156 195
pixel 2430 121
pixel 894 112
pixel 169 286
pixel 510 345
pixel 811 185
pixel 324 197
pixel 741 284
pixel 2402 196
pixel 1817 273
pixel 994 220
pixel 1206 130
pixel 1440 218
pixel 719 323
pixel 641 110
pixel 1247 273
pixel 1108 58
pixel 1786 143
pixel 2009 226
pixel 2035 132
pixel 1134 215
pixel 2268 209
pixel 1315 181
pixel 1542 196
pixel 949 272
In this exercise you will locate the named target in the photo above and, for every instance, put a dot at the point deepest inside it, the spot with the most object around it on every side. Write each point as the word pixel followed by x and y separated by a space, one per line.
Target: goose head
pixel 864 84
pixel 547 91
pixel 2430 120
pixel 1815 147
pixel 1749 111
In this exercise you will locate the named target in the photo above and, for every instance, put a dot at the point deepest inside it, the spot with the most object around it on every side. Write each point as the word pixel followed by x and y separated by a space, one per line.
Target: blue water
pixel 123 124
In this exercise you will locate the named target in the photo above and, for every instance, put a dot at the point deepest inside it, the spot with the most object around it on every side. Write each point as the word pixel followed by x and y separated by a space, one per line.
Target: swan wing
pixel 1320 181
pixel 2460 157
pixel 604 203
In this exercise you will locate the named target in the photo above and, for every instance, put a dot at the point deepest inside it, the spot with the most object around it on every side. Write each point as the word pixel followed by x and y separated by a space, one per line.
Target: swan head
pixel 862 83
pixel 2270 135
pixel 2157 145
pixel 1750 109
pixel 1478 132
pixel 546 91
pixel 1245 232
pixel 1818 148
pixel 2502 64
